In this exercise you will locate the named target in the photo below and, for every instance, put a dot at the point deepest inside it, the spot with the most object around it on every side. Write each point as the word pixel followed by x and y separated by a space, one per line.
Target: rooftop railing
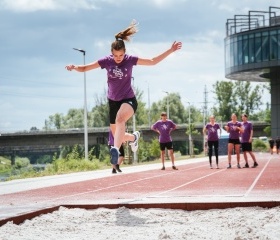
pixel 254 20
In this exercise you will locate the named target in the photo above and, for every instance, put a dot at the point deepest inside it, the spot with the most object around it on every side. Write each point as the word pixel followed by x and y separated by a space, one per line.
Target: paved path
pixel 193 186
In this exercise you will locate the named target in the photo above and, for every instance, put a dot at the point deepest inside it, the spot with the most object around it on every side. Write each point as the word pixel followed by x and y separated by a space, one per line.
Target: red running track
pixel 193 186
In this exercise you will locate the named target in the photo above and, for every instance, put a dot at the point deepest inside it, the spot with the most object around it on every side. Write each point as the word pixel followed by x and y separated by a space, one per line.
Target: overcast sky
pixel 38 37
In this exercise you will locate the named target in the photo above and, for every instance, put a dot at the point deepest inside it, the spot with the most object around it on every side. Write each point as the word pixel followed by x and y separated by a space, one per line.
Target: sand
pixel 133 224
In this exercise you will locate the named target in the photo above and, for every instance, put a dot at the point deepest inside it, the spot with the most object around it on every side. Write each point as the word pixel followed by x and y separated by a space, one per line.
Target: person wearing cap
pixel 246 140
pixel 164 127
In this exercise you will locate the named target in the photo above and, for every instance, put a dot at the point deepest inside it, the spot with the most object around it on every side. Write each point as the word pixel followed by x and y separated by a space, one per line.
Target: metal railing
pixel 254 20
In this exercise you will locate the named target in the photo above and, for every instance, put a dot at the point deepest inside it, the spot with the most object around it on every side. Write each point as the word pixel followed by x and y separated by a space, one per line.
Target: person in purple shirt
pixel 122 101
pixel 233 128
pixel 164 127
pixel 212 128
pixel 246 140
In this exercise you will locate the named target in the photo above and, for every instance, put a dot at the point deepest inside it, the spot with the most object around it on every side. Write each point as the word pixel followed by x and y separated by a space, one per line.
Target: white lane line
pixel 138 180
pixel 187 183
pixel 257 179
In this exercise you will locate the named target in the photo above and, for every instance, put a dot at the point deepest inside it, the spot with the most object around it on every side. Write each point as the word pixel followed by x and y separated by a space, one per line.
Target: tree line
pixel 229 97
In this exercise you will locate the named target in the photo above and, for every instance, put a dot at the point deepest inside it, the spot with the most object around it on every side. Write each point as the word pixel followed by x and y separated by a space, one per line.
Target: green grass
pixel 64 166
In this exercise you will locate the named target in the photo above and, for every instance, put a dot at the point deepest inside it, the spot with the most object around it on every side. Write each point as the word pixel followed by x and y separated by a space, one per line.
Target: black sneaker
pixel 255 165
pixel 246 165
pixel 163 168
pixel 238 165
pixel 114 170
pixel 229 166
pixel 174 168
pixel 118 168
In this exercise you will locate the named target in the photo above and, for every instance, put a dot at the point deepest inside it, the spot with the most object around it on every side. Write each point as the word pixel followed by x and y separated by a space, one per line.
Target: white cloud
pixel 166 3
pixel 36 47
pixel 37 5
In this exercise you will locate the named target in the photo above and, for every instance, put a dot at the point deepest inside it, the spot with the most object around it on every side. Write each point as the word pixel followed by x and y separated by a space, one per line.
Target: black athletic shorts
pixel 246 147
pixel 114 107
pixel 234 141
pixel 168 145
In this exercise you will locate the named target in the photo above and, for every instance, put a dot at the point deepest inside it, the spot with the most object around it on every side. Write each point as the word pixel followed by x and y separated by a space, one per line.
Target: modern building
pixel 252 53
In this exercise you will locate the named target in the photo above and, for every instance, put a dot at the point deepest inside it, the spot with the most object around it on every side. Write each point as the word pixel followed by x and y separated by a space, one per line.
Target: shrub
pixel 259 145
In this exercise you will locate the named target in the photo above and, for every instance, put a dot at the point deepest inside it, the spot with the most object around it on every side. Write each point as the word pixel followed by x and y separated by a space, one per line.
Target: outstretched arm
pixel 83 68
pixel 149 62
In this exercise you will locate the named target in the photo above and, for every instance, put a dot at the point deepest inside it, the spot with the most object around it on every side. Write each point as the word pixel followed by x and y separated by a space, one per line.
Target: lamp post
pixel 85 107
pixel 135 156
pixel 190 134
pixel 167 104
pixel 149 106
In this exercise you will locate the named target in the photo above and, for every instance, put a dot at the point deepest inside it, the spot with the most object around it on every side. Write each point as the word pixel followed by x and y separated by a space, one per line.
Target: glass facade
pixel 252 47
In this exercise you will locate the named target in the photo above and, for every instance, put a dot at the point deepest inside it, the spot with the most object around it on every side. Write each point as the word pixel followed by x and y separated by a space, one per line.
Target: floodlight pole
pixel 85 107
pixel 167 104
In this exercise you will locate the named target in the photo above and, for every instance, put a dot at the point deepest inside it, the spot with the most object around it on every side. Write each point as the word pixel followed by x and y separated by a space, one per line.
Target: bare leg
pixel 162 154
pixel 171 154
pixel 230 148
pixel 253 156
pixel 118 129
pixel 245 157
pixel 237 150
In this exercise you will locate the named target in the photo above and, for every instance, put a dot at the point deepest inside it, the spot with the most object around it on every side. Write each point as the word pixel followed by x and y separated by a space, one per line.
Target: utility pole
pixel 205 104
pixel 85 106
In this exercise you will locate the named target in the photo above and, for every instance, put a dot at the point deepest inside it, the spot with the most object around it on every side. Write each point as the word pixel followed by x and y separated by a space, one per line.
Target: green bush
pixel 5 164
pixel 21 163
pixel 60 166
pixel 259 146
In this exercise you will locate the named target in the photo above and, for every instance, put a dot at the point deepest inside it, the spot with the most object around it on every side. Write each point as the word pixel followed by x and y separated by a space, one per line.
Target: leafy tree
pixel 99 115
pixel 236 97
pixel 55 122
pixel 224 93
pixel 74 118
pixel 177 111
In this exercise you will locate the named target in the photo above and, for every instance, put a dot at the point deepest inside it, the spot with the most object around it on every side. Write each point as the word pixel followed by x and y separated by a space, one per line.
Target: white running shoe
pixel 134 145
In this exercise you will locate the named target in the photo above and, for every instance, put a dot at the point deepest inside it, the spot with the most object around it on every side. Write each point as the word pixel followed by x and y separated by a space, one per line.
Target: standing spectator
pixel 271 144
pixel 277 141
pixel 164 127
pixel 246 140
pixel 121 154
pixel 233 128
pixel 211 129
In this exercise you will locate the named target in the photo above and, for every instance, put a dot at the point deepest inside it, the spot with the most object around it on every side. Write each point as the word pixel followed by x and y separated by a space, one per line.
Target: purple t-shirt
pixel 233 131
pixel 245 136
pixel 164 128
pixel 212 131
pixel 119 76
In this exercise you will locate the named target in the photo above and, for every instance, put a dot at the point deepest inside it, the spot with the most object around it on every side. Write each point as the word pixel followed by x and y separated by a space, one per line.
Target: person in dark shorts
pixel 233 128
pixel 246 140
pixel 277 141
pixel 212 128
pixel 116 168
pixel 164 127
pixel 121 96
pixel 271 144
